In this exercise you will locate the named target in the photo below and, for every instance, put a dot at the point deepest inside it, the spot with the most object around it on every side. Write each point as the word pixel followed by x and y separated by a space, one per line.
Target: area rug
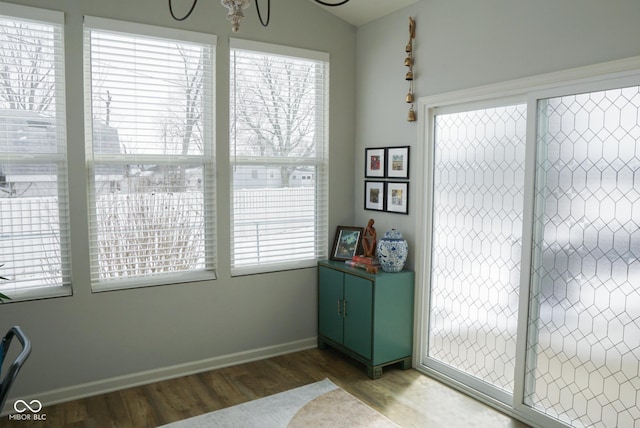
pixel 320 404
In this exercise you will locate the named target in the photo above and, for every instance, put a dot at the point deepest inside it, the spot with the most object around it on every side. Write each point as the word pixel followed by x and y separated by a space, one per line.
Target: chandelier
pixel 236 14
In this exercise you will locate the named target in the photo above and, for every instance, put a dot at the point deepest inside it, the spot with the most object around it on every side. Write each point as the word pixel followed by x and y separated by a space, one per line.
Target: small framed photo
pixel 398 197
pixel 347 243
pixel 375 163
pixel 374 195
pixel 398 162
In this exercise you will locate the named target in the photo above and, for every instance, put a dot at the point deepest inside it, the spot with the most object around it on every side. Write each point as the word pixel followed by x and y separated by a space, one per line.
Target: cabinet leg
pixel 406 363
pixel 374 372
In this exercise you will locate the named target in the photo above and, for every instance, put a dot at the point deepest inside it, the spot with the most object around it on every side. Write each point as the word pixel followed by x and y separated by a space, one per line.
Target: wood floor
pixel 407 397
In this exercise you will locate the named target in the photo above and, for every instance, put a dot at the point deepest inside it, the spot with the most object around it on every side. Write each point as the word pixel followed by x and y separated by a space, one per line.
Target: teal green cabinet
pixel 369 317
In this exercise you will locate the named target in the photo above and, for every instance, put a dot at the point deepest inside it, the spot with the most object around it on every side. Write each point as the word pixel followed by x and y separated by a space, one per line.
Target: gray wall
pixel 467 43
pixel 91 338
pixel 460 44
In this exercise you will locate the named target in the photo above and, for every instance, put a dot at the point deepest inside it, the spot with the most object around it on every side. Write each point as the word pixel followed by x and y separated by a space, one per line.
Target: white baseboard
pixel 48 398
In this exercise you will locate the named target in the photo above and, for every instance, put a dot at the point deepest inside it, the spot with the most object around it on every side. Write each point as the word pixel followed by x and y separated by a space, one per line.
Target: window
pixel 533 246
pixel 278 130
pixel 150 154
pixel 34 214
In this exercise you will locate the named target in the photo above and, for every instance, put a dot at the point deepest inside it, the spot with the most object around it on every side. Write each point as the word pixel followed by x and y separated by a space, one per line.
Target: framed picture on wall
pixel 375 163
pixel 374 195
pixel 347 243
pixel 398 197
pixel 398 162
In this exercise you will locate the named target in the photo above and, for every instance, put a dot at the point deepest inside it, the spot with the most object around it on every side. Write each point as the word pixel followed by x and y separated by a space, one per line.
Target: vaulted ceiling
pixel 360 12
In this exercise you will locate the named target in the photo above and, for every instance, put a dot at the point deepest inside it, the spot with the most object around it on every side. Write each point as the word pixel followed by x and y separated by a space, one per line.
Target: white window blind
pixel 279 157
pixel 150 154
pixel 34 214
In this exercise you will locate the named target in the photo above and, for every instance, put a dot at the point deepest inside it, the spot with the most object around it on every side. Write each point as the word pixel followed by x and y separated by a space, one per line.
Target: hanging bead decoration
pixel 408 62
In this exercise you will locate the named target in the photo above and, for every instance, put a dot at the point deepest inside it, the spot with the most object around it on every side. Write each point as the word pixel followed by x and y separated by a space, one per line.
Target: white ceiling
pixel 359 12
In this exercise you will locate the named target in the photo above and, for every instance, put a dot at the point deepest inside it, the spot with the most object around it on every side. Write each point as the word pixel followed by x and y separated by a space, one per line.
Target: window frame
pixel 490 390
pixel 208 156
pixel 320 161
pixel 57 21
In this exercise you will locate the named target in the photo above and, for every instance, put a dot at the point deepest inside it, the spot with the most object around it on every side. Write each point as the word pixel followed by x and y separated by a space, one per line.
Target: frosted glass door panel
pixel 583 348
pixel 477 226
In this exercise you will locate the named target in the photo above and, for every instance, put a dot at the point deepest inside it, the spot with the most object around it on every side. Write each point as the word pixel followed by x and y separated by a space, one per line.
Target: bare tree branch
pixel 27 70
pixel 276 112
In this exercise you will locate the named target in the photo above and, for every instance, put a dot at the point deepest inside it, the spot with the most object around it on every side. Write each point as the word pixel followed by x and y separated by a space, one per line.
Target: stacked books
pixel 370 264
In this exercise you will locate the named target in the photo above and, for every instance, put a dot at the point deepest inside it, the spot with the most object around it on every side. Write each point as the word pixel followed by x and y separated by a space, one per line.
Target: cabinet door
pixel 358 320
pixel 330 299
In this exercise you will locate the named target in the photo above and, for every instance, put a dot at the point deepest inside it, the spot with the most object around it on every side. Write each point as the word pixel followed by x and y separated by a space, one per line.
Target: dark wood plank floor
pixel 405 396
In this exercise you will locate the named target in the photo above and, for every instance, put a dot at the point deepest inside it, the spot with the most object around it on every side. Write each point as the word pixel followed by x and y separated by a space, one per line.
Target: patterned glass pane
pixel 477 228
pixel 583 347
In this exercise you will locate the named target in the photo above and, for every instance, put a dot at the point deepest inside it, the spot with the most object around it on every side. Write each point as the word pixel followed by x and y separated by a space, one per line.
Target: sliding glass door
pixel 583 345
pixel 477 227
pixel 534 228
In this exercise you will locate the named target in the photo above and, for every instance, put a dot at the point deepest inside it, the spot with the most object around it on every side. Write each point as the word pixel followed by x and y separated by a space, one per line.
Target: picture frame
pixel 397 162
pixel 347 243
pixel 397 200
pixel 374 195
pixel 375 162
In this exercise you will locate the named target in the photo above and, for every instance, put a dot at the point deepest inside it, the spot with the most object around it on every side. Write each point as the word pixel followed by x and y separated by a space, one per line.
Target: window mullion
pixel 526 257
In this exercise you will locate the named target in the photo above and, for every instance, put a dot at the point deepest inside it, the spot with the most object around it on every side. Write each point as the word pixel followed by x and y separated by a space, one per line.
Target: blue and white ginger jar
pixel 392 251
